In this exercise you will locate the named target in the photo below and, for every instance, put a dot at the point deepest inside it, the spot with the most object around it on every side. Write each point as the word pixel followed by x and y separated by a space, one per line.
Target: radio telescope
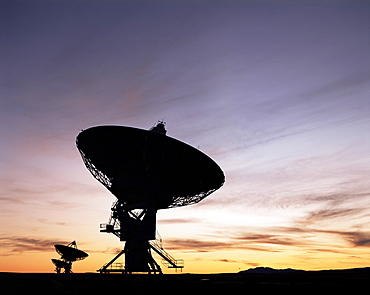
pixel 68 254
pixel 146 171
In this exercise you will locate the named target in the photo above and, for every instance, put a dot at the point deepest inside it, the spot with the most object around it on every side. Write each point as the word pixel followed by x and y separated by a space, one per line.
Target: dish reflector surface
pixel 144 169
pixel 69 253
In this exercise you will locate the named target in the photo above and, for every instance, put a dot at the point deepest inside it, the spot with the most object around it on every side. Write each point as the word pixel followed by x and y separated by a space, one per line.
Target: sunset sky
pixel 276 92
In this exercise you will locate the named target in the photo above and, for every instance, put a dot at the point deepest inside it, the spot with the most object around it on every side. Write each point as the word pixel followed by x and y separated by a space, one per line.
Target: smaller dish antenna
pixel 68 254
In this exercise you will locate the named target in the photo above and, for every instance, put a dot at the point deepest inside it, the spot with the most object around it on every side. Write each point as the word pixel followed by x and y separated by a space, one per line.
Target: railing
pixel 106 268
pixel 115 266
pixel 168 261
pixel 177 263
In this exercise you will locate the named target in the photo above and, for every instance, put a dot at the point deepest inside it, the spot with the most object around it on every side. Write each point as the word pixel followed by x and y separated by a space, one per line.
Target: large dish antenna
pixel 147 171
pixel 145 168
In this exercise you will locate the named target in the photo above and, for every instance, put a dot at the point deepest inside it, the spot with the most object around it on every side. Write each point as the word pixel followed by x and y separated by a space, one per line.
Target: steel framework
pixel 137 228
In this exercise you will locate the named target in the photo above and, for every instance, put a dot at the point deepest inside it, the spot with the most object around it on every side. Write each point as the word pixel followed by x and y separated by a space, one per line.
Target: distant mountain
pixel 269 270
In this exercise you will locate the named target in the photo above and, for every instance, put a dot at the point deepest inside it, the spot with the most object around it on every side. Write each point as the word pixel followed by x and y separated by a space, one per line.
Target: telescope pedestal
pixel 138 258
pixel 136 228
pixel 134 262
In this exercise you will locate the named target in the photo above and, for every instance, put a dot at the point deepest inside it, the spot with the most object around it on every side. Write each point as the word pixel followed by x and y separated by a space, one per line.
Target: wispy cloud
pixel 357 239
pixel 278 240
pixel 195 245
pixel 16 245
pixel 47 221
pixel 326 214
pixel 34 192
pixel 10 200
pixel 108 250
pixel 282 193
pixel 179 220
pixel 251 263
pixel 226 260
pixel 304 238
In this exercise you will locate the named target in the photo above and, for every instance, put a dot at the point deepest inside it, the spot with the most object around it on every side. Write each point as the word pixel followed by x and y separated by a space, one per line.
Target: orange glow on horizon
pixel 211 262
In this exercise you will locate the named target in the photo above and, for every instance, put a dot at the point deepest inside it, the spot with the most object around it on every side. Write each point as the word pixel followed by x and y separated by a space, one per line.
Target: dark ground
pixel 91 283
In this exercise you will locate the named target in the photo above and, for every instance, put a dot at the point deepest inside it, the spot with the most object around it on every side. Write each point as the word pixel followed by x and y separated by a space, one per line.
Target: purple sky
pixel 276 92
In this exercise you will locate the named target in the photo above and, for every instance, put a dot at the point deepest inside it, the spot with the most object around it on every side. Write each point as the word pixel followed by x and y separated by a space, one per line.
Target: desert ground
pixel 94 283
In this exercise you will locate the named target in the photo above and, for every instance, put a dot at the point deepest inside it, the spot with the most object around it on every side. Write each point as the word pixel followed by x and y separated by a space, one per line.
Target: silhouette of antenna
pixel 68 254
pixel 146 171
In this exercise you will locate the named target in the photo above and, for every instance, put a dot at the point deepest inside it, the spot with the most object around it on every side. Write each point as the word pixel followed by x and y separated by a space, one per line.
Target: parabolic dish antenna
pixel 145 168
pixel 60 264
pixel 146 171
pixel 68 254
